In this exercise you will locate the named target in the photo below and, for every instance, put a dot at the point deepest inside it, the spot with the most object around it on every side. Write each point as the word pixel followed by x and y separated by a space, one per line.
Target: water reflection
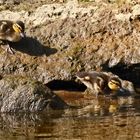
pixel 106 118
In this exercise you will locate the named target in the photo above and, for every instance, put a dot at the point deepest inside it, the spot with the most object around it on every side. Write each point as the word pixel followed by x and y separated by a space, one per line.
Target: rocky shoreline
pixel 63 38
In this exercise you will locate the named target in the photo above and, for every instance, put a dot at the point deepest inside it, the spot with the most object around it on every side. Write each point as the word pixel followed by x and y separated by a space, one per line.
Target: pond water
pixel 105 119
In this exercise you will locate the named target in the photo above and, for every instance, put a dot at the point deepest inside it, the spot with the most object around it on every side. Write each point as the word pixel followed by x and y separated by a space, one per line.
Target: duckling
pixel 100 82
pixel 11 32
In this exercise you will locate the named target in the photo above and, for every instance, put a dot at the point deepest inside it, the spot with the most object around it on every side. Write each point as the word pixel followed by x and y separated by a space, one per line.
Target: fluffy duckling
pixel 11 32
pixel 99 82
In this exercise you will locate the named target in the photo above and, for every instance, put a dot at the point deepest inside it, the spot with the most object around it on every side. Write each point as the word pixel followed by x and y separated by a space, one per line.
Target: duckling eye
pixel 113 82
pixel 17 28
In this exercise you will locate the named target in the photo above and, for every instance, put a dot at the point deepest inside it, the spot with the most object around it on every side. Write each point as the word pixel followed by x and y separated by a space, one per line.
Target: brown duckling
pixel 99 82
pixel 11 32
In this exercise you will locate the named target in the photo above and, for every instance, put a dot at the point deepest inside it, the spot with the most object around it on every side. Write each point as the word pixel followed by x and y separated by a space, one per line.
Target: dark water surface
pixel 106 119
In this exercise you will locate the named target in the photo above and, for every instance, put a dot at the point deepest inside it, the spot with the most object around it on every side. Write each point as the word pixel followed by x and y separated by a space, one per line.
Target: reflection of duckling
pixel 100 82
pixel 112 108
pixel 11 32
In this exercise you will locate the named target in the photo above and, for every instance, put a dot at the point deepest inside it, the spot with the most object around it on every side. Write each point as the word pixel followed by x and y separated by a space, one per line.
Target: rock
pixel 136 11
pixel 65 38
pixel 2 1
pixel 123 17
pixel 11 1
pixel 6 15
pixel 21 94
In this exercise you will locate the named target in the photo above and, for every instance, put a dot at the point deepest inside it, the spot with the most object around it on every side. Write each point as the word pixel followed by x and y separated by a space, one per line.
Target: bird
pixel 100 82
pixel 11 31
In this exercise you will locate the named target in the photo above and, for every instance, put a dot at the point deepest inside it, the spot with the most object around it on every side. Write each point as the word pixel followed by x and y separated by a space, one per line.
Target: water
pixel 106 119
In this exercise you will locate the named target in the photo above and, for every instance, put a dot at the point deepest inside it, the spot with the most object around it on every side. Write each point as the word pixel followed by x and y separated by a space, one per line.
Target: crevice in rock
pixel 66 85
pixel 126 72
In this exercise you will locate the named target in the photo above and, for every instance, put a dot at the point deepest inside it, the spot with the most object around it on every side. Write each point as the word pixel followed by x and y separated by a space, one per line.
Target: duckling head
pixel 115 84
pixel 19 27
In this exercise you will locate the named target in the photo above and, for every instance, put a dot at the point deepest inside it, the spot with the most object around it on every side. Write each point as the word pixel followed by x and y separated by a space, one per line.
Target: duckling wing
pixel 101 82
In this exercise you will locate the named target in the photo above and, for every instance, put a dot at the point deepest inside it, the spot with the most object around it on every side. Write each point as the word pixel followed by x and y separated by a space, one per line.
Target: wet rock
pixel 21 94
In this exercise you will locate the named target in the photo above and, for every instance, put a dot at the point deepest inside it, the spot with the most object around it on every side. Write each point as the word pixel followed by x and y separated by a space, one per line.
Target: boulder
pixel 21 94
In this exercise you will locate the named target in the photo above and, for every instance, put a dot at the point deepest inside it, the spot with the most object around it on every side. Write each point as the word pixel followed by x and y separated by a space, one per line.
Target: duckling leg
pixel 96 95
pixel 96 89
pixel 6 44
pixel 9 49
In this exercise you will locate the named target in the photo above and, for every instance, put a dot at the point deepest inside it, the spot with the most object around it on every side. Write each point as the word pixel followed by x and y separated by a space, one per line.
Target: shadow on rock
pixel 32 47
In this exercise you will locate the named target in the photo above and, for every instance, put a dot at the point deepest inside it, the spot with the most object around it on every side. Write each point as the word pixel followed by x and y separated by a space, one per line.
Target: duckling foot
pixel 5 44
pixel 9 49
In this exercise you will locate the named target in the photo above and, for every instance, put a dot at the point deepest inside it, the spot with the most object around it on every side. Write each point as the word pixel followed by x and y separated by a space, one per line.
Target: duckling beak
pixel 121 90
pixel 22 34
